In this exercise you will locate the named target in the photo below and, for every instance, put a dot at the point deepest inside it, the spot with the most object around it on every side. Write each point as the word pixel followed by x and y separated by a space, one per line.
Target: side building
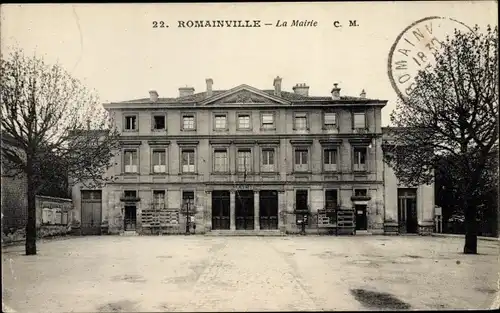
pixel 247 160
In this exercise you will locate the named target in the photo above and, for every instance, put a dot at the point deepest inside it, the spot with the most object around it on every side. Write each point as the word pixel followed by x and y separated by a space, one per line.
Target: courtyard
pixel 294 273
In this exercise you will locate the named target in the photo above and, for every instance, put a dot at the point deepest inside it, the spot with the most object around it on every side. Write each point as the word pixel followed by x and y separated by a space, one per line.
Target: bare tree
pixel 45 113
pixel 452 112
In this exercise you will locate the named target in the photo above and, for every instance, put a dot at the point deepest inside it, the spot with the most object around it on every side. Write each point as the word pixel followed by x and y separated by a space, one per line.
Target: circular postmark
pixel 414 48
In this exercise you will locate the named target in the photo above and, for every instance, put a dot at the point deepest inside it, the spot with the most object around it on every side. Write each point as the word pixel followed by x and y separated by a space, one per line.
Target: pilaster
pixel 256 204
pixel 208 210
pixel 232 210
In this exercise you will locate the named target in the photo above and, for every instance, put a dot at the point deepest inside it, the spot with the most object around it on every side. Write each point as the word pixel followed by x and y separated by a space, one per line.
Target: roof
pixel 286 95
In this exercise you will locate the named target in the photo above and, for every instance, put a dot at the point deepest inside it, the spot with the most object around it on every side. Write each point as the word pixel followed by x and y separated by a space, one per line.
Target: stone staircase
pixel 129 233
pixel 244 233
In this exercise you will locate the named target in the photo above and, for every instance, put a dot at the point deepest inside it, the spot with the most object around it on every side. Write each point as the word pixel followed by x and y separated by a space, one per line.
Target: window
pixel 359 120
pixel 159 161
pixel 300 121
pixel 330 159
pixel 130 194
pixel 268 160
pixel 159 199
pixel 130 122
pixel 244 160
pixel 130 161
pixel 360 192
pixel 220 160
pixel 244 121
pixel 220 122
pixel 188 161
pixel 267 120
pixel 91 194
pixel 188 122
pixel 159 122
pixel 360 159
pixel 188 200
pixel 301 163
pixel 330 120
pixel 331 199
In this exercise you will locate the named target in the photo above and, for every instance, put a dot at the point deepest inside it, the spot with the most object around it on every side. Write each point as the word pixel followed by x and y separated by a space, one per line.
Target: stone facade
pixel 293 125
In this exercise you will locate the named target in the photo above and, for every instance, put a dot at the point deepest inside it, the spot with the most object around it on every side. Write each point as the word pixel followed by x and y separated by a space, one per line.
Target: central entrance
pixel 220 210
pixel 268 200
pixel 361 219
pixel 130 217
pixel 244 209
pixel 407 210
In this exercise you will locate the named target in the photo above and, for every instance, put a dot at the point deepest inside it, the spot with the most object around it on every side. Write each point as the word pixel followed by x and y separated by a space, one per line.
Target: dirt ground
pixel 197 273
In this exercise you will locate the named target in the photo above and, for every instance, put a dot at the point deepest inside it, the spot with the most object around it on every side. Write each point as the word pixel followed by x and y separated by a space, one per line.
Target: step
pixel 363 233
pixel 129 233
pixel 244 233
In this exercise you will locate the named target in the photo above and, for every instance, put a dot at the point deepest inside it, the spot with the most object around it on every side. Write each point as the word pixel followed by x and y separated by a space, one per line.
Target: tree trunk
pixel 470 246
pixel 31 225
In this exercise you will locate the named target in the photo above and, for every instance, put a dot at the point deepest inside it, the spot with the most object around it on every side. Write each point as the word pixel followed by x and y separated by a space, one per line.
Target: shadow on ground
pixel 379 300
pixel 119 306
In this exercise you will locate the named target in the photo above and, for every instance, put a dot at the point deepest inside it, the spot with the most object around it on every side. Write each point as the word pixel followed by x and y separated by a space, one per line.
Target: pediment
pixel 244 94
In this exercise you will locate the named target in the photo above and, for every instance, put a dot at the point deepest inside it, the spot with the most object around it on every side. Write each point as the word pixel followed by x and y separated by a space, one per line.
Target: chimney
pixel 335 92
pixel 301 89
pixel 277 86
pixel 153 96
pixel 210 82
pixel 363 94
pixel 186 91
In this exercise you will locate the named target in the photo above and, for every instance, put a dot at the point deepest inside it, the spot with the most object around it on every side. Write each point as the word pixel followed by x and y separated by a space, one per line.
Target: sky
pixel 114 49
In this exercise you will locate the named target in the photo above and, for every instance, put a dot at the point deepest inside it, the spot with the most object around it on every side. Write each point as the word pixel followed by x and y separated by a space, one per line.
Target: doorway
pixel 407 210
pixel 361 218
pixel 130 217
pixel 220 210
pixel 244 210
pixel 268 211
pixel 91 212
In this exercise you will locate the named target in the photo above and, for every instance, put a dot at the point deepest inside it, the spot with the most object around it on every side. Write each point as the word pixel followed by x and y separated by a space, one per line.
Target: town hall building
pixel 253 161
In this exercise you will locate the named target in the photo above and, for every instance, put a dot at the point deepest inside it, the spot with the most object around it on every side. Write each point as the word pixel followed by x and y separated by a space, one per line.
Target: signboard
pixel 438 211
pixel 360 202
pixel 245 187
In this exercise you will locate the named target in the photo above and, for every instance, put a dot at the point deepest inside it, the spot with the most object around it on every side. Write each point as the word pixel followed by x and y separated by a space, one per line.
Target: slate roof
pixel 291 96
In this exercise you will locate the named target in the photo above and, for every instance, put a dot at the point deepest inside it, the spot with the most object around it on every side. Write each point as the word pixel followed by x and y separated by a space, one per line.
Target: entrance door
pixel 130 217
pixel 411 213
pixel 407 211
pixel 268 201
pixel 244 210
pixel 220 210
pixel 91 212
pixel 361 220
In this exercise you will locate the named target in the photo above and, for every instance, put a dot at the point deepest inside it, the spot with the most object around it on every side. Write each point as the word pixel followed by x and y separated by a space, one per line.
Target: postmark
pixel 414 48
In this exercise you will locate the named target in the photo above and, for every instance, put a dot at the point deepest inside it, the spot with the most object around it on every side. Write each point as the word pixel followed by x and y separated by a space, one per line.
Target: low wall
pixel 46 231
pixel 53 218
